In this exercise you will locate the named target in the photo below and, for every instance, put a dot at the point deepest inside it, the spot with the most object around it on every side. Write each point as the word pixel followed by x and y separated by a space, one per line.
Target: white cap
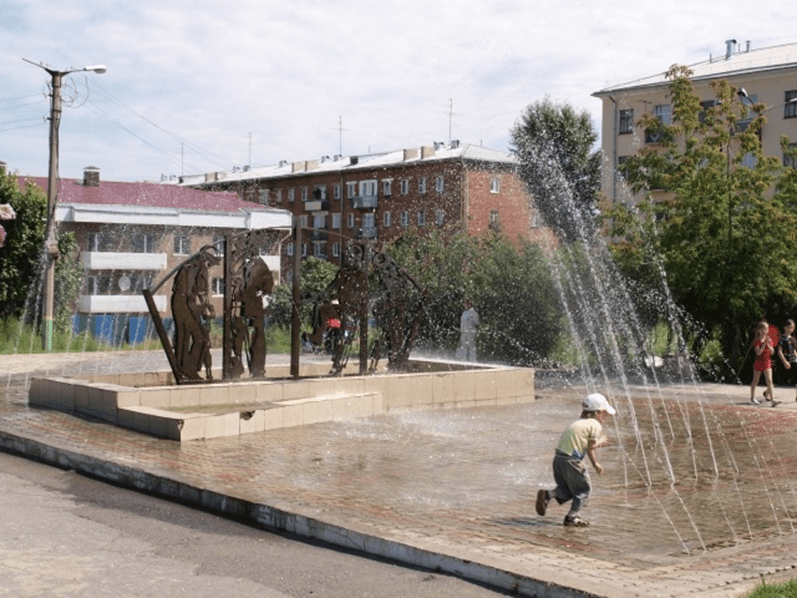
pixel 597 402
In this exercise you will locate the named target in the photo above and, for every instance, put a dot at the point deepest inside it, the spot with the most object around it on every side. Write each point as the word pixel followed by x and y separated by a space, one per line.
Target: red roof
pixel 72 191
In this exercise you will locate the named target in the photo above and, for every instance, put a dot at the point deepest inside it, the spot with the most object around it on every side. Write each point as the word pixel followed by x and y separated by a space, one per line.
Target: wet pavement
pixel 698 497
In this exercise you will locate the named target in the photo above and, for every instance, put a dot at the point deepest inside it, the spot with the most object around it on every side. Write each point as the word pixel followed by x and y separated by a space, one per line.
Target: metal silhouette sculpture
pixel 369 285
pixel 247 281
pixel 192 313
pixel 250 281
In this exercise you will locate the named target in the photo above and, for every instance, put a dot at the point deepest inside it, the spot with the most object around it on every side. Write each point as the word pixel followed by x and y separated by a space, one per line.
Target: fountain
pixel 185 404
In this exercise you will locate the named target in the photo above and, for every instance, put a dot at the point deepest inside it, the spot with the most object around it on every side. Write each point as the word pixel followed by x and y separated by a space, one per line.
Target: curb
pixel 279 520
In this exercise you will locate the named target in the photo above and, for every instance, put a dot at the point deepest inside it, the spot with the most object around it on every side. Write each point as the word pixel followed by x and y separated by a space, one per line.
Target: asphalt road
pixel 63 534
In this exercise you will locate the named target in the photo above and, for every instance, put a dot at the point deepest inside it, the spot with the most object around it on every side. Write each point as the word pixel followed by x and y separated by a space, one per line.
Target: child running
pixel 764 349
pixel 581 438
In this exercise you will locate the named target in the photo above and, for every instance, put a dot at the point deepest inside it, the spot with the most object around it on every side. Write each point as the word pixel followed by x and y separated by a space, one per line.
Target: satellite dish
pixel 124 283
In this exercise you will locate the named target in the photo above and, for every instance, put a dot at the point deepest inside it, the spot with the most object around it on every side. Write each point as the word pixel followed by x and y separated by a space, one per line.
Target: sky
pixel 196 86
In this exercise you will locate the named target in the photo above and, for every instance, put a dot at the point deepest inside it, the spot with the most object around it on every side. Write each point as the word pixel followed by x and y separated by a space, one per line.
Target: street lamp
pixel 50 241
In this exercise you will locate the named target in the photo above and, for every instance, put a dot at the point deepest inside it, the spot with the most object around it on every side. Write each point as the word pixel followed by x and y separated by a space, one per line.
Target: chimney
pixel 91 176
pixel 729 46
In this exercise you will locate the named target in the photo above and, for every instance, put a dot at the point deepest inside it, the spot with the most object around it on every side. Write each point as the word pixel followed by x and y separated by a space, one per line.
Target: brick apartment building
pixel 131 235
pixel 380 196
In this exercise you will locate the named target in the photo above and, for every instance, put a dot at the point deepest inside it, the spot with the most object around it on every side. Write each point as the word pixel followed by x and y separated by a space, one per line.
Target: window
pixel 790 108
pixel 350 220
pixel 495 185
pixel 320 192
pixel 422 185
pixel 387 187
pixel 421 218
pixel 320 221
pixel 369 220
pixel 368 188
pixel 289 250
pixel 663 112
pixel 291 194
pixel 336 250
pixel 336 191
pixel 439 183
pixel 144 243
pixel 351 189
pixel 219 242
pixel 303 220
pixel 439 217
pixel 495 221
pixel 264 197
pixel 304 249
pixel 626 121
pixel 279 195
pixel 404 184
pixel 99 242
pixel 318 249
pixel 386 219
pixel 405 218
pixel 336 221
pixel 620 173
pixel 218 286
pixel 704 108
pixel 182 245
pixel 790 156
pixel 304 193
pixel 98 285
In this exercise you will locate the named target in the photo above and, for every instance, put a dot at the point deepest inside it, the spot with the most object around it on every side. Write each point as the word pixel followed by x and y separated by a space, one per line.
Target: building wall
pixel 768 88
pixel 413 198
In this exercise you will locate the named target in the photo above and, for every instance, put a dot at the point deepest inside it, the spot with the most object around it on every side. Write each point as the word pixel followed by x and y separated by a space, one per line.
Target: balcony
pixel 368 232
pixel 110 260
pixel 365 202
pixel 319 235
pixel 317 205
pixel 118 304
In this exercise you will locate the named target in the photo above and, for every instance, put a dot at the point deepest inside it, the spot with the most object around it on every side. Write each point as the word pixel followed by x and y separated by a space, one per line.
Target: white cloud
pixel 208 74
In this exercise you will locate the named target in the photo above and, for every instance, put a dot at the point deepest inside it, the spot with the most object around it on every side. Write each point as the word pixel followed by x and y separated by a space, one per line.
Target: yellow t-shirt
pixel 575 440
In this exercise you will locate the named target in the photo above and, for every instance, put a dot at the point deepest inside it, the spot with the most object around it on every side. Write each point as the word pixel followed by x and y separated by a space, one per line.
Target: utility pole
pixel 51 243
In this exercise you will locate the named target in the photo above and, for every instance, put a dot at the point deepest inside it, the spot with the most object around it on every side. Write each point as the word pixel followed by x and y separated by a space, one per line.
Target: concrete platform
pixel 698 497
pixel 151 403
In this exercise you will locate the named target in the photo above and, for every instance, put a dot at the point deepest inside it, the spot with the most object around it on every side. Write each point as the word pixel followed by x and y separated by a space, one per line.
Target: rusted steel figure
pixel 370 283
pixel 192 313
pixel 344 299
pixel 250 282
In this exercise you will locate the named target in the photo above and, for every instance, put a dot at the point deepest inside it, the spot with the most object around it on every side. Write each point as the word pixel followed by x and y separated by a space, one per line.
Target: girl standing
pixel 763 363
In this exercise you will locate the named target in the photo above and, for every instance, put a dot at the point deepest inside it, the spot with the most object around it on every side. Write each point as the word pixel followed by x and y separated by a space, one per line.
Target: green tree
pixel 315 275
pixel 22 253
pixel 718 226
pixel 510 286
pixel 69 275
pixel 555 148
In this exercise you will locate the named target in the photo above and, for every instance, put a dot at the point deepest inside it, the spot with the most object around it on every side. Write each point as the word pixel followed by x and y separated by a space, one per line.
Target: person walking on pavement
pixel 763 347
pixel 787 352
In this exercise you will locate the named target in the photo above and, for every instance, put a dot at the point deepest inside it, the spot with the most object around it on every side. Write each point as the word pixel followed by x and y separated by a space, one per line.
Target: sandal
pixel 575 521
pixel 543 498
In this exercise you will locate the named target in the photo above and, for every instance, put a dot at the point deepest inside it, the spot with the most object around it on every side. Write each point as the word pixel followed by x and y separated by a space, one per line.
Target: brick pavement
pixel 698 497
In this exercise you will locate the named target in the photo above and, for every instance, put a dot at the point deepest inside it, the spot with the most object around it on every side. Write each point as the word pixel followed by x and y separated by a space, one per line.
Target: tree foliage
pixel 510 287
pixel 21 254
pixel 315 275
pixel 554 145
pixel 718 219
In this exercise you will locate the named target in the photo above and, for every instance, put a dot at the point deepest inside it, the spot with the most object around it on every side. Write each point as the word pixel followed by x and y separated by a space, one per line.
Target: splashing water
pixel 610 342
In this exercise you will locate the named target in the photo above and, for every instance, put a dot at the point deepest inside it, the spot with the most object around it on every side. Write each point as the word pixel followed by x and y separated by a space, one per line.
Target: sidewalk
pixel 680 510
